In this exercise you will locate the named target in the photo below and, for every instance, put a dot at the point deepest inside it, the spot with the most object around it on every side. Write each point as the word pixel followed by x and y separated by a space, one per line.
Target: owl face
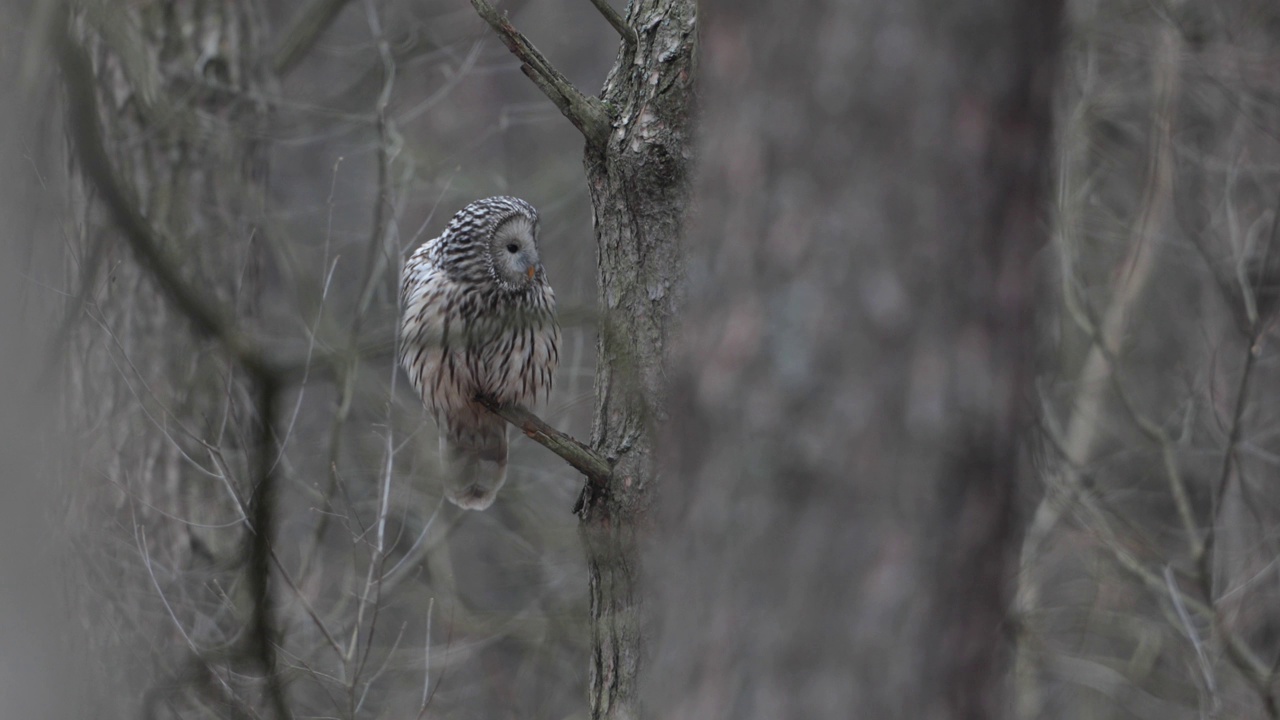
pixel 492 244
pixel 513 252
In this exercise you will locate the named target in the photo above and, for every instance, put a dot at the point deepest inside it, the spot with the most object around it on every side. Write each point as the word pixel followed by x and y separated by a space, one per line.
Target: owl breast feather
pixel 461 341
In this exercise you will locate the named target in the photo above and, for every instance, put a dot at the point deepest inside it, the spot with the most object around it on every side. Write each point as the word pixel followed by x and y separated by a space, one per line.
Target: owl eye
pixel 512 247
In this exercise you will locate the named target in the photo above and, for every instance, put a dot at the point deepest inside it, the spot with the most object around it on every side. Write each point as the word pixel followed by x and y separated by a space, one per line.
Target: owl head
pixel 495 239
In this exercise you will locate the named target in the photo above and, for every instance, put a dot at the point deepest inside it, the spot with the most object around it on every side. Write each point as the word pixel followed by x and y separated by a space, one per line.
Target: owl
pixel 479 319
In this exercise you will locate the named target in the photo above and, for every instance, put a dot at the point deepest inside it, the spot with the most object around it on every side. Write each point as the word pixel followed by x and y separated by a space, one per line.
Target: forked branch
pixel 586 113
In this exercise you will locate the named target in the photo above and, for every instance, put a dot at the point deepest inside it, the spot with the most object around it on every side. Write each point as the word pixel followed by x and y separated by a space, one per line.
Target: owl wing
pixel 433 351
pixel 429 297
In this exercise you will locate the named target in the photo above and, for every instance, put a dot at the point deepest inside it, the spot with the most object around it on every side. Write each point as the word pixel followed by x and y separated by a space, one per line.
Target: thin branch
pixel 1153 432
pixel 597 470
pixel 1252 338
pixel 627 32
pixel 426 672
pixel 1094 517
pixel 1233 442
pixel 1253 669
pixel 1206 669
pixel 586 113
pixel 215 454
pixel 307 27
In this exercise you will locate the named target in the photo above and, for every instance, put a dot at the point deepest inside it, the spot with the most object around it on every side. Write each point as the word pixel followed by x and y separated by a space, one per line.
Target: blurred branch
pixel 145 240
pixel 82 114
pixel 1229 453
pixel 597 470
pixel 1101 370
pixel 1206 669
pixel 307 27
pixel 201 311
pixel 389 143
pixel 586 113
pixel 1253 335
pixel 262 516
pixel 1085 424
pixel 1241 655
pixel 628 34
pixel 224 472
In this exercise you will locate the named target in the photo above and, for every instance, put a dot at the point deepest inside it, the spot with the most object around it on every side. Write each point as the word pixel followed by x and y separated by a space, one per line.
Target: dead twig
pixel 586 113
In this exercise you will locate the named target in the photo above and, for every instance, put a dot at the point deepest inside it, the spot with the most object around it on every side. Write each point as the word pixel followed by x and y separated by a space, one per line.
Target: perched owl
pixel 479 319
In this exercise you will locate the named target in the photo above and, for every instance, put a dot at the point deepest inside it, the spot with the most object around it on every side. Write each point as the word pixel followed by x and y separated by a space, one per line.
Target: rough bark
pixel 639 182
pixel 855 364
pixel 637 164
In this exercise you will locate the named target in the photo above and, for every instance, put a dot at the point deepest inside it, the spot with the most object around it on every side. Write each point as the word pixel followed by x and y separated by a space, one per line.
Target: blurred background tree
pixel 1148 583
pixel 282 176
pixel 849 401
pixel 963 423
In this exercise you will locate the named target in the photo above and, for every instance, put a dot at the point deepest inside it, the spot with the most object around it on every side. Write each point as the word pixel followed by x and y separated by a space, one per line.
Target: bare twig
pixel 375 261
pixel 448 642
pixel 1245 660
pixel 1252 338
pixel 426 672
pixel 597 470
pixel 1253 669
pixel 586 113
pixel 1229 452
pixel 1206 669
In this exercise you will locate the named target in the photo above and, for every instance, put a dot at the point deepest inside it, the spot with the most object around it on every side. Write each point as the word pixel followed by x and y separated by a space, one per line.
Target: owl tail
pixel 473 460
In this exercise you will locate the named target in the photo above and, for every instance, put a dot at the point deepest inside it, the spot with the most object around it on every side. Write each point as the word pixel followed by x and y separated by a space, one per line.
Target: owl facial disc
pixel 514 252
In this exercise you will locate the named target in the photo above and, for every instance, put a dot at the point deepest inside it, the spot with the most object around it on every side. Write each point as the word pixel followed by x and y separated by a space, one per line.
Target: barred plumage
pixel 479 319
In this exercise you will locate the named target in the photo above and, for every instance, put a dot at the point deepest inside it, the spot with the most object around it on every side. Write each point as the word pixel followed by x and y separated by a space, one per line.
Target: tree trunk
pixel 639 182
pixel 854 371
pixel 164 418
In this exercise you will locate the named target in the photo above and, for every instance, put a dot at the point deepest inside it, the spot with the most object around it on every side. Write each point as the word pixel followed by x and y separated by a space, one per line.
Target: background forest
pixel 970 383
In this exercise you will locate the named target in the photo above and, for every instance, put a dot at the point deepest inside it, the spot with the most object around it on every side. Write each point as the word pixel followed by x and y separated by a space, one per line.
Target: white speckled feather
pixel 473 325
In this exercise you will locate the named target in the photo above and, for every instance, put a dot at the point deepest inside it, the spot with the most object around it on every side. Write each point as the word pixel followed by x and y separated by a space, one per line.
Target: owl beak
pixel 532 270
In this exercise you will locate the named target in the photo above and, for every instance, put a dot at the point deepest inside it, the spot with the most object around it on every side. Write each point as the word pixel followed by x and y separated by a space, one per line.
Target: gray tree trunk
pixel 854 371
pixel 639 182
pixel 164 418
